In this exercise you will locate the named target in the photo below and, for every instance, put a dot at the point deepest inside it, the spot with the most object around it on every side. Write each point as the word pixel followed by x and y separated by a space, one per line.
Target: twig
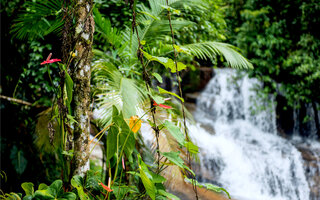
pixel 11 99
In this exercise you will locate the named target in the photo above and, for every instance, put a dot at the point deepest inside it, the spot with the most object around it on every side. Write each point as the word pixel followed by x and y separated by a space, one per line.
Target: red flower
pixel 105 187
pixel 50 61
pixel 161 105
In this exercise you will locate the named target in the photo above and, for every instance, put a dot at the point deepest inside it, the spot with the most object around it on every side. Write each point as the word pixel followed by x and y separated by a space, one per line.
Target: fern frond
pixel 207 50
pixel 103 28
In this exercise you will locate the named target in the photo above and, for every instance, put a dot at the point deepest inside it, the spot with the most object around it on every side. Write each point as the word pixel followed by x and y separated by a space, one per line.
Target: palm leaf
pixel 38 19
pixel 115 90
pixel 150 26
pixel 205 50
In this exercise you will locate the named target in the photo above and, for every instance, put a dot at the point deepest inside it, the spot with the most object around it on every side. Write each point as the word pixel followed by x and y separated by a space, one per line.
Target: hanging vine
pixel 182 102
pixel 147 81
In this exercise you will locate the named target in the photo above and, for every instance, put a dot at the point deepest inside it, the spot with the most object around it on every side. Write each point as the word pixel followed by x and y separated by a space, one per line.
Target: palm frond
pixel 115 90
pixel 104 29
pixel 38 19
pixel 150 24
pixel 207 50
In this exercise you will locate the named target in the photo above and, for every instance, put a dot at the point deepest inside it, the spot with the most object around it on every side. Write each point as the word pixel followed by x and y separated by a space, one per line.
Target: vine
pixel 182 102
pixel 146 79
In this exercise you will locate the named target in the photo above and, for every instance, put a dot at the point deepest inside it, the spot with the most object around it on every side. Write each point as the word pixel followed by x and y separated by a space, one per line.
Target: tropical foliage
pixel 137 46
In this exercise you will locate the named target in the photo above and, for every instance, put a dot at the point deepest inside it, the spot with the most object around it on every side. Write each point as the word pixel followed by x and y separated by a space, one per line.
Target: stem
pixel 183 111
pixel 122 149
pixel 147 82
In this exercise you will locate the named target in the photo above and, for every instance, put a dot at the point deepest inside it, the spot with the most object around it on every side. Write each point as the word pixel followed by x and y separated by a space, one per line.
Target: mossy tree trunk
pixel 81 74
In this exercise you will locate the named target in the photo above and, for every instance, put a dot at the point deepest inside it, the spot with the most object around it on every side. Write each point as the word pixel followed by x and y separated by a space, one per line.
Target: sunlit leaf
pixel 169 195
pixel 163 91
pixel 175 132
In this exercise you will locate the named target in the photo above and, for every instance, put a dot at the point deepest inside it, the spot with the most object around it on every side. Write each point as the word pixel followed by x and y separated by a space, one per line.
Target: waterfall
pixel 239 146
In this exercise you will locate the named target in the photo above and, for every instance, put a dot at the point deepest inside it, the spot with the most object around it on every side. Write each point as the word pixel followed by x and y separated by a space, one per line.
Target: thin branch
pixel 11 99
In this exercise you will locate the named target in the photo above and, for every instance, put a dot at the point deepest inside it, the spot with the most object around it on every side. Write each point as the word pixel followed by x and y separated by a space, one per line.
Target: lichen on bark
pixel 81 75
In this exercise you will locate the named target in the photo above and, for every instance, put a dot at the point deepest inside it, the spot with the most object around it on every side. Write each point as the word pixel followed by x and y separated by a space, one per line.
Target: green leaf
pixel 119 133
pixel 182 49
pixel 18 160
pixel 175 132
pixel 54 192
pixel 158 99
pixel 147 183
pixel 169 195
pixel 77 182
pixel 193 181
pixel 150 15
pixel 120 191
pixel 163 91
pixel 174 158
pixel 157 76
pixel 68 196
pixel 157 178
pixel 68 153
pixel 28 188
pixel 167 62
pixel 192 148
pixel 42 186
pixel 69 89
pixel 216 189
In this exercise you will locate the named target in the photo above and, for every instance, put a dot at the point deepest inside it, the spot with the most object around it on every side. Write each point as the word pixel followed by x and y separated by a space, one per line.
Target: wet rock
pixel 311 158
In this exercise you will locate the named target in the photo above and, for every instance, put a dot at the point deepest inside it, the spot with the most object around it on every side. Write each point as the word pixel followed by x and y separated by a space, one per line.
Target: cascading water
pixel 244 154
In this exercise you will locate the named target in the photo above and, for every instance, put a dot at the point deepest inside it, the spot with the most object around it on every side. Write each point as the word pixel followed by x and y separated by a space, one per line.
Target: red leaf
pixel 106 187
pixel 161 105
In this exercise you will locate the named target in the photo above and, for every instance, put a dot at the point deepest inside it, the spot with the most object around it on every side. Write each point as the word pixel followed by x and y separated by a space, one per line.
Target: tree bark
pixel 81 74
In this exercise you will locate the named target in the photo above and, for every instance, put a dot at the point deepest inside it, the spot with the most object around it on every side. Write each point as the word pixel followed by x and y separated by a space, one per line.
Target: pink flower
pixel 123 165
pixel 161 105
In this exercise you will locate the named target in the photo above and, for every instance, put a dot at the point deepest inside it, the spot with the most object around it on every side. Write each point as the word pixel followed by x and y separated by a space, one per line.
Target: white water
pixel 245 155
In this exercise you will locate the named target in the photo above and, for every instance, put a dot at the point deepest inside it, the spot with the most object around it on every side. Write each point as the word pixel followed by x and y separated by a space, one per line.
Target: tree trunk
pixel 81 75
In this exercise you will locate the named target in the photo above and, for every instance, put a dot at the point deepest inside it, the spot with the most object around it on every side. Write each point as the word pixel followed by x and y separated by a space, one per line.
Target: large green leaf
pixel 77 182
pixel 120 191
pixel 175 132
pixel 18 160
pixel 147 181
pixel 28 188
pixel 54 192
pixel 119 133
